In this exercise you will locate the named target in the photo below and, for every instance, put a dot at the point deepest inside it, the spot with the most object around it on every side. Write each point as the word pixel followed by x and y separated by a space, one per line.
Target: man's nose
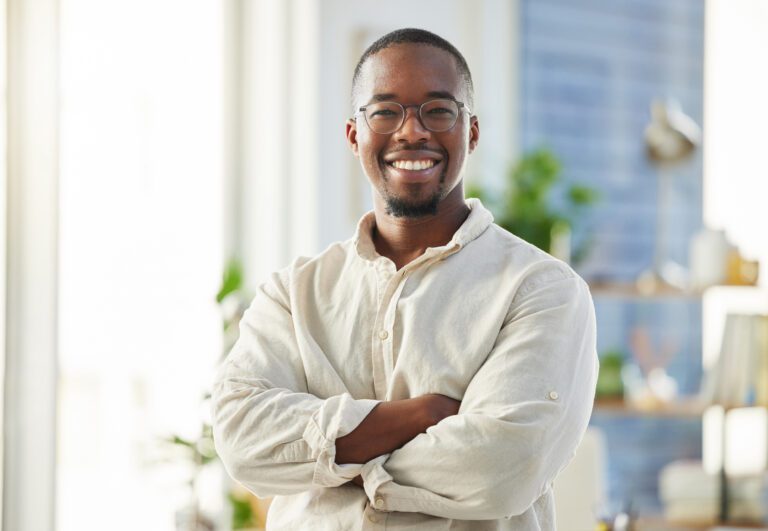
pixel 412 130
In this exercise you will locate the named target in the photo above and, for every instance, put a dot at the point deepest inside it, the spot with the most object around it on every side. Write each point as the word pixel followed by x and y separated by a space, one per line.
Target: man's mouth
pixel 416 165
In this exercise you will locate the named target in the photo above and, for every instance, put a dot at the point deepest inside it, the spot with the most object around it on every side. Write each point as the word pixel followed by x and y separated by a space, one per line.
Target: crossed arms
pixel 506 440
pixel 390 425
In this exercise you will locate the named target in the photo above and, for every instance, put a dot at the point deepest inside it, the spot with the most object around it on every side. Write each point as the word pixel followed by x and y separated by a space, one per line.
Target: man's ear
pixel 474 133
pixel 352 135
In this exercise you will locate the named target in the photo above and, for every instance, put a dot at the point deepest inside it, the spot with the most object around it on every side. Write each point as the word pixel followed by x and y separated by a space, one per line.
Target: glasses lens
pixel 384 117
pixel 439 115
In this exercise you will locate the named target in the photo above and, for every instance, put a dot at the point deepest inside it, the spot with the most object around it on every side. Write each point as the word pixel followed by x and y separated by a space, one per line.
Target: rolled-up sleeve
pixel 270 433
pixel 521 417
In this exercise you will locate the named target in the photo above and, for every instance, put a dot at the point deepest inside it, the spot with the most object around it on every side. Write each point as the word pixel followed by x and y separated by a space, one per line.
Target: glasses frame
pixel 419 106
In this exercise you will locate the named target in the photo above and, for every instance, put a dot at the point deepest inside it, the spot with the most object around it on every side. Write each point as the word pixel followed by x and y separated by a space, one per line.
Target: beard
pixel 402 206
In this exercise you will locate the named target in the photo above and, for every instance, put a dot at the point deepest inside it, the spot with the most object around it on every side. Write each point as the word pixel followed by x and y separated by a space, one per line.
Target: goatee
pixel 399 208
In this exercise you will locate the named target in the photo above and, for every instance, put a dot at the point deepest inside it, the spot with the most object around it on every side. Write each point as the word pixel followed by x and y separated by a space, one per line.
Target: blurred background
pixel 159 158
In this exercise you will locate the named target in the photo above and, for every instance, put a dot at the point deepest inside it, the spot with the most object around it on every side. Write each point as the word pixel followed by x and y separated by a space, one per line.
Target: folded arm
pixel 276 438
pixel 390 425
pixel 521 418
pixel 271 434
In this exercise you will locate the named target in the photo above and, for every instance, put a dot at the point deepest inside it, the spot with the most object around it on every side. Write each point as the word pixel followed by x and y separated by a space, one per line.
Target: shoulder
pixel 324 267
pixel 304 276
pixel 530 267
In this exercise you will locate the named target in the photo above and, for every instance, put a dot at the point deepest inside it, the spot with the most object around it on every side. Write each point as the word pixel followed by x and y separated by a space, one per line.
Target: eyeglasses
pixel 437 116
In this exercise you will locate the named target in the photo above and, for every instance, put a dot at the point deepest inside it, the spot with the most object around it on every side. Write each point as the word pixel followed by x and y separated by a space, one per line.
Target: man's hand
pixel 392 424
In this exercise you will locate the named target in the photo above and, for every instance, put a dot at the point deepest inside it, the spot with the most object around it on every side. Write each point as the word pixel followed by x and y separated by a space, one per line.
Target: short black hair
pixel 416 36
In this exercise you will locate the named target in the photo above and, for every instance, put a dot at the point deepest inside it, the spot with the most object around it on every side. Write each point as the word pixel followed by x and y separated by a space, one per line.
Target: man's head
pixel 415 36
pixel 415 128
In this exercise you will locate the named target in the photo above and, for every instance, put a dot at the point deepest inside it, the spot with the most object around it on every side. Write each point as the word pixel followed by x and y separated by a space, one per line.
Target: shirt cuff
pixel 338 416
pixel 374 476
pixel 387 496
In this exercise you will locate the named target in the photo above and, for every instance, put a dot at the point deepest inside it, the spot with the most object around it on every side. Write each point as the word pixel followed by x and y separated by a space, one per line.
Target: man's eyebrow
pixel 388 96
pixel 391 96
pixel 441 94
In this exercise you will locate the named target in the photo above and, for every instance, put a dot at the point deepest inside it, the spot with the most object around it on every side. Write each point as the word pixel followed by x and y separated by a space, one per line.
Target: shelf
pixel 631 291
pixel 688 408
pixel 659 524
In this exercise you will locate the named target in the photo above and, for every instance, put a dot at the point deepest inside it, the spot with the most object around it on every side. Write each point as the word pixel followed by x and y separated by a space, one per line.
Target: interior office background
pixel 148 143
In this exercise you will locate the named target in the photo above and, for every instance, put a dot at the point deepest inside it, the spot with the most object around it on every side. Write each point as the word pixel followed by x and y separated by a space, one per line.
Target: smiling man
pixel 434 371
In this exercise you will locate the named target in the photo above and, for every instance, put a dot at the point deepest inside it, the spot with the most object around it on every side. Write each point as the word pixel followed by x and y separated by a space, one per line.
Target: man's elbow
pixel 515 495
pixel 241 467
pixel 261 473
pixel 261 478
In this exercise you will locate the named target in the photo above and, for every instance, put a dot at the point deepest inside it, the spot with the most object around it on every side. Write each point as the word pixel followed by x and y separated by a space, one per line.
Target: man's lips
pixel 413 154
pixel 413 162
pixel 419 164
pixel 420 170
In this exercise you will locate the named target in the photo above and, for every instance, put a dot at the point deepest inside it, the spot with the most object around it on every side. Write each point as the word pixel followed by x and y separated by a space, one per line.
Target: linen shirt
pixel 486 319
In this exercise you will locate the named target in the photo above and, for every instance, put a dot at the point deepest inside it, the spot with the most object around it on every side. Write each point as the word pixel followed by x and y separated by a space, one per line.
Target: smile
pixel 413 164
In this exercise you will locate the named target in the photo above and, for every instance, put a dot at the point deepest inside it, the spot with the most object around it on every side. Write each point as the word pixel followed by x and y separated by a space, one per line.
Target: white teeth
pixel 413 164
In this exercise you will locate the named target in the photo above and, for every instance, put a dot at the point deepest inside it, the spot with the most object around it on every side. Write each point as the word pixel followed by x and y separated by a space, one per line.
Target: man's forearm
pixel 391 425
pixel 386 428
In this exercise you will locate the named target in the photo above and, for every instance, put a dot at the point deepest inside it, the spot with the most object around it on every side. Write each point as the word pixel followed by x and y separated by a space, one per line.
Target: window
pixel 140 250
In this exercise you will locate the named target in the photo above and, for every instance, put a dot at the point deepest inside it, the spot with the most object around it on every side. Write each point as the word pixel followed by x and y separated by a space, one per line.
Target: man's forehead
pixel 388 96
pixel 406 70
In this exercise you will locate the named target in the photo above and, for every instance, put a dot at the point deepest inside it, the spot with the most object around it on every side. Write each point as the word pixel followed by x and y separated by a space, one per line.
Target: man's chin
pixel 403 208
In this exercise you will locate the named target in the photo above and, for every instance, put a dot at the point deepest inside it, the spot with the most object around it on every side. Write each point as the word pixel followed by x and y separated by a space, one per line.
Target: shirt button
pixel 383 335
pixel 553 395
pixel 372 518
pixel 379 502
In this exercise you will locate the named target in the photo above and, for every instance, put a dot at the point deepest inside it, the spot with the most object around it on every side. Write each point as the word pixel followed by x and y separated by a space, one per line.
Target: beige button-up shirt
pixel 487 319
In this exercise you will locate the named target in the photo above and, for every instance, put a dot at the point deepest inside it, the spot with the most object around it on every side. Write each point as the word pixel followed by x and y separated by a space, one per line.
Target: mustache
pixel 415 147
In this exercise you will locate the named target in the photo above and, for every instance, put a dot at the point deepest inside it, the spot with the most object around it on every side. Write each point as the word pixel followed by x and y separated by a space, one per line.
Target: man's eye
pixel 440 110
pixel 383 113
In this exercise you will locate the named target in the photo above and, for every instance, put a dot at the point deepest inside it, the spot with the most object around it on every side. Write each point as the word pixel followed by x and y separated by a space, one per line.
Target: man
pixel 434 371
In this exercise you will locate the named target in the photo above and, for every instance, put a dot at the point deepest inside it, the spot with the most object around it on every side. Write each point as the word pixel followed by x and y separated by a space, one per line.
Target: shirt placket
pixel 390 285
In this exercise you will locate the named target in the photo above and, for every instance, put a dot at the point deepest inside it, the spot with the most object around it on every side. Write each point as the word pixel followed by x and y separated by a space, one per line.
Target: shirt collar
pixel 478 220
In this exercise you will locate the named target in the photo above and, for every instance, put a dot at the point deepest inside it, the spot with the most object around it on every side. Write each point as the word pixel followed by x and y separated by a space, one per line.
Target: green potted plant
pixel 245 509
pixel 526 208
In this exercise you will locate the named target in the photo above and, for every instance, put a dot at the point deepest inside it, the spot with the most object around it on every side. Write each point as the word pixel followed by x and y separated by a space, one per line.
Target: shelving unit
pixel 641 440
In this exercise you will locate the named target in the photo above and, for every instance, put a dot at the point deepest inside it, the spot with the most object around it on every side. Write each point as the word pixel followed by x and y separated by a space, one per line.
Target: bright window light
pixel 141 253
pixel 736 123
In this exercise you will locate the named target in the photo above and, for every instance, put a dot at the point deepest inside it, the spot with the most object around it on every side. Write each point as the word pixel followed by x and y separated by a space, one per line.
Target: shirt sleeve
pixel 270 433
pixel 521 418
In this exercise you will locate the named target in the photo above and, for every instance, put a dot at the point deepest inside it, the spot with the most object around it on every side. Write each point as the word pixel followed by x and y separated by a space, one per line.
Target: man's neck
pixel 402 240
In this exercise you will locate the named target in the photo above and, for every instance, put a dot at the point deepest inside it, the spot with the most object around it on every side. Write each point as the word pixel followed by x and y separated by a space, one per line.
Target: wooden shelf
pixel 688 408
pixel 631 291
pixel 659 524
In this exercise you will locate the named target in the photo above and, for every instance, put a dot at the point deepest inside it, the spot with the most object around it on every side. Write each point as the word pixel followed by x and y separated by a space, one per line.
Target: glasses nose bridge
pixel 416 114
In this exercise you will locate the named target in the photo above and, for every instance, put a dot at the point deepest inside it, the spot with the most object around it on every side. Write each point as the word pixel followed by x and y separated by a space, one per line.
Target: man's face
pixel 412 74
